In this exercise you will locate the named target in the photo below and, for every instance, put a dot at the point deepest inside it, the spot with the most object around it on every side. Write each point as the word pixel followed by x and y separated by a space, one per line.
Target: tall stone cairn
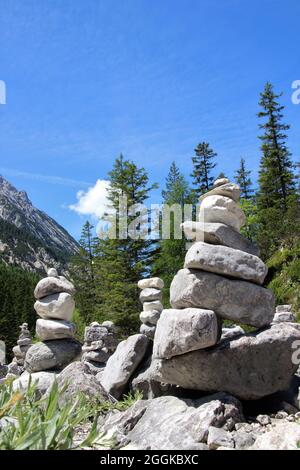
pixel 150 297
pixel 54 305
pixel 222 279
pixel 100 342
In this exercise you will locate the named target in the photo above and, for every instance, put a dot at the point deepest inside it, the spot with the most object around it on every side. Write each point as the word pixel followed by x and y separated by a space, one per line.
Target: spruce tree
pixel 242 177
pixel 203 162
pixel 122 261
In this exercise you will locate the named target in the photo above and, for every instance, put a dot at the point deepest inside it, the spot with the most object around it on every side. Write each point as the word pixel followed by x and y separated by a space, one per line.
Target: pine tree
pixel 122 261
pixel 242 177
pixel 172 251
pixel 276 178
pixel 203 162
pixel 82 273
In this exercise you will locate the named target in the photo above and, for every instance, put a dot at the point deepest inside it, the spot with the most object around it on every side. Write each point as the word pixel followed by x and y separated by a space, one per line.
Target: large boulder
pixel 218 234
pixel 226 262
pixel 142 381
pixel 239 301
pixel 77 378
pixel 55 354
pixel 249 367
pixel 170 423
pixel 122 364
pixel 54 329
pixel 230 190
pixel 283 436
pixel 223 210
pixel 181 331
pixel 57 306
pixel 53 285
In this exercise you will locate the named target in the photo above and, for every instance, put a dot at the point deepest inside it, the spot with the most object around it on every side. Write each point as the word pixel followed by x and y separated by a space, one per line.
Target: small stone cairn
pixel 54 305
pixel 150 297
pixel 16 367
pixel 100 342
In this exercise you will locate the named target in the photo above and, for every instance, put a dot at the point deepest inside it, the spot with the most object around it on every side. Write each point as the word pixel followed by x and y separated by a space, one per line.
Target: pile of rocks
pixel 222 279
pixel 150 297
pixel 16 367
pixel 100 342
pixel 55 305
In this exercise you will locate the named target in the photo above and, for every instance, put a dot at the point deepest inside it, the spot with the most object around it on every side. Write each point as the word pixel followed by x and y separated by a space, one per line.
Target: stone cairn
pixel 150 297
pixel 16 367
pixel 54 305
pixel 222 279
pixel 100 342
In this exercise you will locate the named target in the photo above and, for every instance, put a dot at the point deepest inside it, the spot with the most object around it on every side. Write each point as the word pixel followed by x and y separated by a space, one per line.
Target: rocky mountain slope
pixel 30 238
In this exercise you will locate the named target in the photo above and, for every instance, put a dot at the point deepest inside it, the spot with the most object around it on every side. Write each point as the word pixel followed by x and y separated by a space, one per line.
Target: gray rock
pixel 149 294
pixel 170 423
pixel 93 346
pixel 96 356
pixel 122 364
pixel 182 331
pixel 55 354
pixel 221 209
pixel 144 382
pixel 52 285
pixel 283 436
pixel 220 181
pixel 95 332
pixel 263 420
pixel 243 440
pixel 52 272
pixel 155 305
pixel 24 342
pixel 77 378
pixel 56 306
pixel 110 326
pixel 249 367
pixel 3 370
pixel 54 329
pixel 218 437
pixel 151 317
pixel 152 282
pixel 43 381
pixel 280 317
pixel 283 308
pixel 148 330
pixel 230 190
pixel 232 332
pixel 226 261
pixel 218 234
pixel 235 300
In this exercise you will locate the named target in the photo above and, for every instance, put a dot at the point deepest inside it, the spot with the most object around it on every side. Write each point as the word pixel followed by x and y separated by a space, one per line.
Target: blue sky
pixel 88 79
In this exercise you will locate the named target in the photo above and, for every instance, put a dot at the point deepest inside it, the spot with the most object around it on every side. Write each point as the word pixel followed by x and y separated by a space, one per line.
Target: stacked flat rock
pixel 55 305
pixel 100 342
pixel 150 297
pixel 284 313
pixel 222 281
pixel 16 367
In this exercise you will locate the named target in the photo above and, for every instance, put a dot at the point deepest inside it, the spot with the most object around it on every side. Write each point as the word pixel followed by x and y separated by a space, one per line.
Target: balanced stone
pixel 249 366
pixel 230 190
pixel 54 354
pixel 182 331
pixel 223 210
pixel 154 282
pixel 54 329
pixel 280 317
pixel 148 329
pixel 283 308
pixel 151 317
pixel 53 285
pixel 220 182
pixel 226 261
pixel 96 356
pixel 52 272
pixel 94 332
pixel 122 364
pixel 153 305
pixel 93 346
pixel 149 294
pixel 240 301
pixel 218 234
pixel 59 306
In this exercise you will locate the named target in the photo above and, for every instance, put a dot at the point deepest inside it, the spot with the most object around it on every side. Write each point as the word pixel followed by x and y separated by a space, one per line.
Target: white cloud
pixel 92 202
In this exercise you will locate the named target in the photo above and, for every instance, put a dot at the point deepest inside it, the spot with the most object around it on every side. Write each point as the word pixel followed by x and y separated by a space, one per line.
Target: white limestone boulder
pixel 57 306
pixel 221 209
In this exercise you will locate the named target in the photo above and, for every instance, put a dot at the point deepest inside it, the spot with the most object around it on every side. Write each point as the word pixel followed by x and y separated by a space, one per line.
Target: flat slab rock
pixel 249 367
pixel 54 354
pixel 53 285
pixel 181 331
pixel 239 301
pixel 226 261
pixel 170 423
pixel 230 190
pixel 218 234
pixel 152 282
pixel 122 364
pixel 54 329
